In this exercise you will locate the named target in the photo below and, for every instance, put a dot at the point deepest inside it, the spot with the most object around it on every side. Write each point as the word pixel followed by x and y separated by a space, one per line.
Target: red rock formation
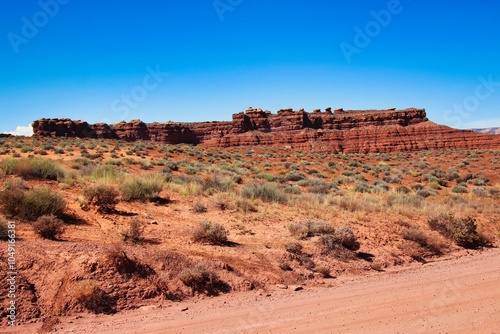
pixel 348 131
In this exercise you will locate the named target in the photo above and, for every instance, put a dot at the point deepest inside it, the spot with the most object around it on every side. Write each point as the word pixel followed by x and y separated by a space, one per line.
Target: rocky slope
pixel 348 131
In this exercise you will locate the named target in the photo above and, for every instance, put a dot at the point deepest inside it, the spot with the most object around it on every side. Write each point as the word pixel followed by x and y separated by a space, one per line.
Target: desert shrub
pixel 338 242
pixel 88 294
pixel 293 247
pixel 266 176
pixel 11 200
pixel 462 231
pixel 245 205
pixel 221 202
pixel 35 168
pixel 480 192
pixel 199 208
pixel 459 190
pixel 215 182
pixel 105 173
pixel 8 166
pixel 415 234
pixel 41 202
pixel 391 179
pixel 481 181
pixel 283 264
pixel 134 232
pixel 465 178
pixel 494 192
pixel 417 186
pixel 319 187
pixel 434 185
pixel 48 227
pixel 362 187
pixel 103 196
pixel 349 203
pixel 3 229
pixel 211 233
pixel 424 193
pixel 268 192
pixel 141 187
pixel 403 190
pixel 295 176
pixel 323 270
pixel 198 277
pixel 293 190
pixel 310 228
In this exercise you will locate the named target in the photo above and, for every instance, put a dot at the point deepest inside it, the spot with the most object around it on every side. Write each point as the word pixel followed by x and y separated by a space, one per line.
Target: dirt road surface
pixel 460 295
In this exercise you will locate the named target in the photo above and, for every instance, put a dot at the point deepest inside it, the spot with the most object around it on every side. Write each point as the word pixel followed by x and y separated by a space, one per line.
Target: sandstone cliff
pixel 348 131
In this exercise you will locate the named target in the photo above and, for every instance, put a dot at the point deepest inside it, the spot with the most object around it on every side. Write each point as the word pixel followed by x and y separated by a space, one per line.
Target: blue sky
pixel 159 60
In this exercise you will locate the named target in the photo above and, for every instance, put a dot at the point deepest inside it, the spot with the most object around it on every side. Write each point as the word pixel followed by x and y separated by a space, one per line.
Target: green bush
pixel 8 166
pixel 103 196
pixel 141 187
pixel 268 192
pixel 212 233
pixel 37 168
pixel 48 227
pixel 41 202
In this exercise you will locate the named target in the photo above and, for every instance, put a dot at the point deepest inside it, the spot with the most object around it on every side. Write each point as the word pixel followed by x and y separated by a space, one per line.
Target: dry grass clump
pixel 245 205
pixel 462 231
pixel 135 231
pixel 88 294
pixel 103 196
pixel 200 278
pixel 415 234
pixel 48 227
pixel 342 243
pixel 199 207
pixel 267 192
pixel 31 204
pixel 310 228
pixel 323 270
pixel 293 247
pixel 141 187
pixel 211 233
pixel 36 168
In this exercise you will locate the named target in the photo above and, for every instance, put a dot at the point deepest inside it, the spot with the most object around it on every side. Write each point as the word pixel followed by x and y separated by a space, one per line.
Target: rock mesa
pixel 348 131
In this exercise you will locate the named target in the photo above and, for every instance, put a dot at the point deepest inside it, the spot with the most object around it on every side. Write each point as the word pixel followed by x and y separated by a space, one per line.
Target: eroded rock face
pixel 348 131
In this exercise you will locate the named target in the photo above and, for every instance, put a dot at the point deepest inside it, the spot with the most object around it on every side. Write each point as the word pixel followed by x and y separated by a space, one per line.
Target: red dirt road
pixel 449 296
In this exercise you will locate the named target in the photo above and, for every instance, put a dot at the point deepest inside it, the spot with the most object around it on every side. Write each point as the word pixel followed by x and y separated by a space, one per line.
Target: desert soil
pixel 457 295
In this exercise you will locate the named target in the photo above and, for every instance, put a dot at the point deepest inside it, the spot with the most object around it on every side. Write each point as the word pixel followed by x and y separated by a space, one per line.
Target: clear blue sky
pixel 92 60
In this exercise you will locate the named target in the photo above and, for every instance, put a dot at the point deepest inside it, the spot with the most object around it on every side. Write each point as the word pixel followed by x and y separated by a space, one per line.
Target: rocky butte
pixel 348 131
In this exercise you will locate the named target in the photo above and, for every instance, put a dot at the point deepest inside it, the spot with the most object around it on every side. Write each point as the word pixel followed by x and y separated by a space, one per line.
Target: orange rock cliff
pixel 348 131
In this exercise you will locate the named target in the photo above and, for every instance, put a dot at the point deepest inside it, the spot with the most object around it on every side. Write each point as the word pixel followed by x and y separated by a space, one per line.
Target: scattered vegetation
pixel 211 233
pixel 141 188
pixel 103 196
pixel 462 231
pixel 48 227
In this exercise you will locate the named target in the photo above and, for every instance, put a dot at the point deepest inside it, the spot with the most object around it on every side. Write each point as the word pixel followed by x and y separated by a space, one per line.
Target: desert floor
pixel 454 295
